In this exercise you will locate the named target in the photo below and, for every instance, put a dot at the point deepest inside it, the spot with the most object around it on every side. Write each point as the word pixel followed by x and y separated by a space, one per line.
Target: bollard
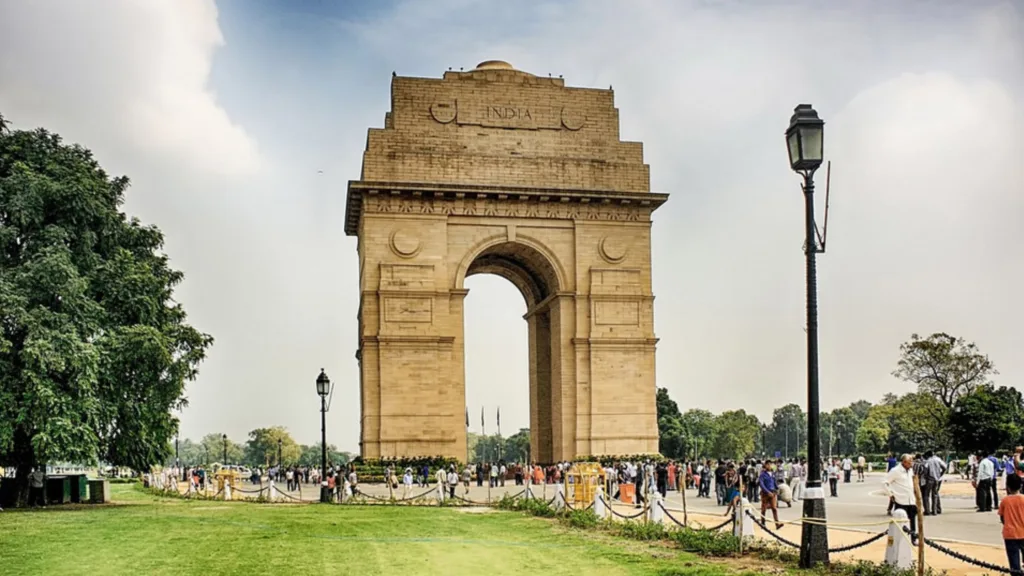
pixel 743 526
pixel 599 507
pixel 271 491
pixel 899 551
pixel 656 513
pixel 559 496
pixel 227 489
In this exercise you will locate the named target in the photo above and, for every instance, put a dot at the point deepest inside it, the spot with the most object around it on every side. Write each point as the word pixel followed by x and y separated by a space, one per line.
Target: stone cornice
pixel 503 201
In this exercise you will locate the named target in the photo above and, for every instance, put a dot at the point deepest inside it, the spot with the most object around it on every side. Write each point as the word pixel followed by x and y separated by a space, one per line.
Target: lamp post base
pixel 814 539
pixel 325 495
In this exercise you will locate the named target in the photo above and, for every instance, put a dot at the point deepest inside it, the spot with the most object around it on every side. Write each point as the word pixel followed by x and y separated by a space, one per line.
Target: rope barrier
pixel 849 547
pixel 683 525
pixel 763 526
pixel 963 557
pixel 628 516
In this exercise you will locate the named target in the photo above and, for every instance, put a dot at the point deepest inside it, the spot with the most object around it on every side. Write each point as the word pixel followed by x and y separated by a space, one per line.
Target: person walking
pixel 899 483
pixel 720 490
pixel 936 469
pixel 861 467
pixel 847 469
pixel 1011 514
pixel 769 494
pixel 833 479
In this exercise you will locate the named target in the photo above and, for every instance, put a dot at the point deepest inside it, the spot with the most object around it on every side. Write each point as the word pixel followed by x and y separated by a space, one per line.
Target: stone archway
pixel 502 172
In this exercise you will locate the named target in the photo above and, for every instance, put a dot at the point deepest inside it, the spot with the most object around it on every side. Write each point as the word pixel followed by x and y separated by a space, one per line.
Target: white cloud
pixel 122 74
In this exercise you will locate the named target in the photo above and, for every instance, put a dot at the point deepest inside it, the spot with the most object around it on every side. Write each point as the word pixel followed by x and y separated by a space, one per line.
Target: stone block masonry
pixel 497 171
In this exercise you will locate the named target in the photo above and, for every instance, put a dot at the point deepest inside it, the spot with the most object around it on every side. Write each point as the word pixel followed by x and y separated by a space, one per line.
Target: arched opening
pixel 537 280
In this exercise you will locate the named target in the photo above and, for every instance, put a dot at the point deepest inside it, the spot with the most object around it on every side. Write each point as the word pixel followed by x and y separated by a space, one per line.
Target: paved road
pixel 857 503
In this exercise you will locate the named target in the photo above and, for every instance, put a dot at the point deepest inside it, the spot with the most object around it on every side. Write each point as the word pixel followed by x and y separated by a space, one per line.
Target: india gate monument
pixel 498 171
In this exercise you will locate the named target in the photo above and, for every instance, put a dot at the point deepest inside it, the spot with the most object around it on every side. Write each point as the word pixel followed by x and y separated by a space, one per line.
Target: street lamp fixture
pixel 224 437
pixel 805 143
pixel 323 388
pixel 279 442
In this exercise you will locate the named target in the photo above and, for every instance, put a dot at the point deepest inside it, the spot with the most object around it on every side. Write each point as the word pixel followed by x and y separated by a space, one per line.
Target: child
pixel 1011 514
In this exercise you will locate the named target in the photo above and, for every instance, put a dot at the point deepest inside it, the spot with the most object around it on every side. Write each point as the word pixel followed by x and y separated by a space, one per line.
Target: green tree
pixel 944 366
pixel 311 455
pixel 517 446
pixel 987 419
pixel 738 433
pixel 919 422
pixel 214 446
pixel 262 447
pixel 788 430
pixel 671 437
pixel 873 432
pixel 698 433
pixel 94 352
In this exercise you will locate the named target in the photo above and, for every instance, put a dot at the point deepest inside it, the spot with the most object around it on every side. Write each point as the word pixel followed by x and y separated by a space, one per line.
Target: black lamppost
pixel 177 462
pixel 224 437
pixel 764 440
pixel 279 441
pixel 805 142
pixel 323 388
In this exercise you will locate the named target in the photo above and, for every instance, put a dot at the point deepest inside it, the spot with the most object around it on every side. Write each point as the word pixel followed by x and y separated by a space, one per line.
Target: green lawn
pixel 145 534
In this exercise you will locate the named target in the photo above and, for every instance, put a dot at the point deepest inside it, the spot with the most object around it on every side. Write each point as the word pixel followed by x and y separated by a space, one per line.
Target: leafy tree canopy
pixel 263 447
pixel 944 366
pixel 988 419
pixel 94 352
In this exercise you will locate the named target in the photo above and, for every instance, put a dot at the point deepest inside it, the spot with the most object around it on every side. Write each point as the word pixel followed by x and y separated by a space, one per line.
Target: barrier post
pixel 743 525
pixel 227 489
pixel 599 507
pixel 898 550
pixel 657 513
pixel 559 496
pixel 271 495
pixel 920 526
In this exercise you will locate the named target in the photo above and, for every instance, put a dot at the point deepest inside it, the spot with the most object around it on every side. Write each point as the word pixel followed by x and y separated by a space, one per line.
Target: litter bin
pixel 627 492
pixel 58 489
pixel 79 488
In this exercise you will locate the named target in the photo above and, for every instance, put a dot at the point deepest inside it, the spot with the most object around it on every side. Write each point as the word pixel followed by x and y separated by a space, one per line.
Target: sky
pixel 224 114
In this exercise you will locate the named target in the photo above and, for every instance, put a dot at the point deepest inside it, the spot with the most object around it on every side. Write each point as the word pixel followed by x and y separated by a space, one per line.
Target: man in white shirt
pixel 847 469
pixel 899 483
pixel 861 466
pixel 984 482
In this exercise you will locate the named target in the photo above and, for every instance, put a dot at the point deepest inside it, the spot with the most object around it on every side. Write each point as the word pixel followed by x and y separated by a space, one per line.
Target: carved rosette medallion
pixel 444 112
pixel 573 119
pixel 404 244
pixel 613 249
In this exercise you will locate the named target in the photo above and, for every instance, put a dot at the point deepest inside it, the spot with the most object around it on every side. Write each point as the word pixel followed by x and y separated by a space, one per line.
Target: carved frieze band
pixel 510 206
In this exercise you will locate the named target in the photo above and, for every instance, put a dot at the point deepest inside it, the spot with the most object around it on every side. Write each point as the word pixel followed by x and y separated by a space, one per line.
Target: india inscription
pixel 480 172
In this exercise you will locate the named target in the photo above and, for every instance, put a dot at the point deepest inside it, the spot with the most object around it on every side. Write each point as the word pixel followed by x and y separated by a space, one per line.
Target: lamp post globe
pixel 323 388
pixel 805 139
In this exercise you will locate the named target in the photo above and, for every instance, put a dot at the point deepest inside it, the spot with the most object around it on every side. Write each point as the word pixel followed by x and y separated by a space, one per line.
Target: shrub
pixel 706 542
pixel 583 519
pixel 645 531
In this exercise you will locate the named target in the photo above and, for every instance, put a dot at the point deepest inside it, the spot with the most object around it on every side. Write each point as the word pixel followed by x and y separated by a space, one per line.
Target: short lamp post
pixel 805 142
pixel 323 388
pixel 224 437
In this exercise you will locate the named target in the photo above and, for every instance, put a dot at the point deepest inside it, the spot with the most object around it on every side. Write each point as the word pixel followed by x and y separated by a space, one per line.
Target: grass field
pixel 144 534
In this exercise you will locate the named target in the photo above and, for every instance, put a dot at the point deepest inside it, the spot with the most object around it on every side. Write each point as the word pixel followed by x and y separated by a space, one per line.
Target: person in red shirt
pixel 1011 514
